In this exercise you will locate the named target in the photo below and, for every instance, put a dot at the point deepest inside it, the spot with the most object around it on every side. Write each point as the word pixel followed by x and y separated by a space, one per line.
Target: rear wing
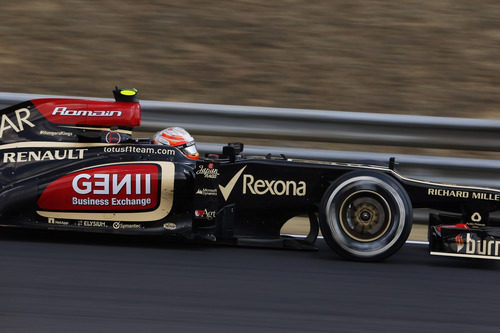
pixel 71 120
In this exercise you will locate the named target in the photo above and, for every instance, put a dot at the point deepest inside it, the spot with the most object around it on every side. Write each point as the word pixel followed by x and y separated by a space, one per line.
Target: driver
pixel 179 138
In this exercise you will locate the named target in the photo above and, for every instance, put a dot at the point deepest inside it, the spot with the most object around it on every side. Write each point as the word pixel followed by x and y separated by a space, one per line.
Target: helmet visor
pixel 190 151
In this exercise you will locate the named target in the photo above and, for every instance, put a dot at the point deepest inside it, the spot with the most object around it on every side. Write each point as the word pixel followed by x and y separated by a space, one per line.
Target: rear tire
pixel 365 216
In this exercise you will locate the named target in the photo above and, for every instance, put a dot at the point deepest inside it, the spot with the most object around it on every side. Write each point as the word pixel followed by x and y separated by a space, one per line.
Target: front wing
pixel 461 240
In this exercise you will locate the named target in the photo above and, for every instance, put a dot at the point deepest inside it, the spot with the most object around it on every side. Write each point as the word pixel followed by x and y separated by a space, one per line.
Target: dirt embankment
pixel 423 57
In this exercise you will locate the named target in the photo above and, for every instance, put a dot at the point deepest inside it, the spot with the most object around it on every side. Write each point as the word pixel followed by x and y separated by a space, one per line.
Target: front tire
pixel 365 216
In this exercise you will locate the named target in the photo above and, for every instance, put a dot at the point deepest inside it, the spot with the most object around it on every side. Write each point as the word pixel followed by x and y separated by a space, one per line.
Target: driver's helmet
pixel 179 138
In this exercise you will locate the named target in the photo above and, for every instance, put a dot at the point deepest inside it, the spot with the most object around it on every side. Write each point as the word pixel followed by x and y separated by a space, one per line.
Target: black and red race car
pixel 72 164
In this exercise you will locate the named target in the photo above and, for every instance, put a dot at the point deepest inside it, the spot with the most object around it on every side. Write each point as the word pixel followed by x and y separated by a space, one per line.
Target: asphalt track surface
pixel 63 282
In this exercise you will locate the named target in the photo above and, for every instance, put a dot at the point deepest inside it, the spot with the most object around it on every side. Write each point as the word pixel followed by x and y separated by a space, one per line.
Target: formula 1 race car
pixel 72 164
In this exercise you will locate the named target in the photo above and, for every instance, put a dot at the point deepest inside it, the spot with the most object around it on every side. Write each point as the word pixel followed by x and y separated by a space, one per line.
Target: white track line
pixel 321 237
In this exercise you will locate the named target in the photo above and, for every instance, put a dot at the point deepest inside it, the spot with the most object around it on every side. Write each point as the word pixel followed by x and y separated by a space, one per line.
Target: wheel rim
pixel 365 216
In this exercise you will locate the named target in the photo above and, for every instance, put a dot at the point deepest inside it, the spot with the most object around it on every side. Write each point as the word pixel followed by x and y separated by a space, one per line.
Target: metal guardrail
pixel 334 126
pixel 327 126
pixel 314 125
pixel 451 170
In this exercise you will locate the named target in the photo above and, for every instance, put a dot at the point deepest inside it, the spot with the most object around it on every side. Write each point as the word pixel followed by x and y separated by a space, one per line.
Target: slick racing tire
pixel 365 216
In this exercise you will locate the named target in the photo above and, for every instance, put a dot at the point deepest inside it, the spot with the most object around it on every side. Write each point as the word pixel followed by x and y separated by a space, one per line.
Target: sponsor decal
pixel 114 201
pixel 139 150
pixel 207 191
pixel 447 193
pixel 100 183
pixel 273 187
pixel 108 188
pixel 209 172
pixel 52 220
pixel 92 224
pixel 439 192
pixel 17 124
pixel 113 137
pixel 53 133
pixel 46 155
pixel 474 246
pixel 226 190
pixel 204 214
pixel 63 111
pixel 264 186
pixel 56 199
pixel 169 226
pixel 476 217
pixel 119 225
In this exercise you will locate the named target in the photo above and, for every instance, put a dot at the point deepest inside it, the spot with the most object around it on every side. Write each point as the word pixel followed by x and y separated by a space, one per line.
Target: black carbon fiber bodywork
pixel 97 178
